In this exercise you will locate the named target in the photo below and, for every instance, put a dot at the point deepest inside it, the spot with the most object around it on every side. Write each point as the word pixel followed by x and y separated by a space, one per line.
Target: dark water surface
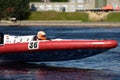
pixel 104 66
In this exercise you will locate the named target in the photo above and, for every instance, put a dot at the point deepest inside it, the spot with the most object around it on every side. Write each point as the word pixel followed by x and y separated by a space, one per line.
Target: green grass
pixel 113 17
pixel 52 15
pixel 80 16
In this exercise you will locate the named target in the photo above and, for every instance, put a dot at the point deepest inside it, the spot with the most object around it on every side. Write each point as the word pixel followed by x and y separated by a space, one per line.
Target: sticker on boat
pixel 33 45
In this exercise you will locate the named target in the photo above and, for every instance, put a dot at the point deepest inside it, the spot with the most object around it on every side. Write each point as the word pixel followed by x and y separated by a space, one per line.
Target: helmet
pixel 41 35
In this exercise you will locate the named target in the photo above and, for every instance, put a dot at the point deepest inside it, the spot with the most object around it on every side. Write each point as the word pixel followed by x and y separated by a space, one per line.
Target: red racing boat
pixel 24 49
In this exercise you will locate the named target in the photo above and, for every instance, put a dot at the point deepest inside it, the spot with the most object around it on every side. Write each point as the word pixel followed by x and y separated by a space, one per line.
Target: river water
pixel 105 66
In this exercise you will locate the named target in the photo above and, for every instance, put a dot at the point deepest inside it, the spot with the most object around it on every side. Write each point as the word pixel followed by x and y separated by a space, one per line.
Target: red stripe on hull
pixel 59 45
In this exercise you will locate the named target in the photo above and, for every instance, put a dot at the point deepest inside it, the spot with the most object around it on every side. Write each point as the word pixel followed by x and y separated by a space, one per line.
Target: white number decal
pixel 33 45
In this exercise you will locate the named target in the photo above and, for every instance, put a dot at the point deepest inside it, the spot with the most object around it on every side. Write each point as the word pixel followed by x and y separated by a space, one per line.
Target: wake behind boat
pixel 25 49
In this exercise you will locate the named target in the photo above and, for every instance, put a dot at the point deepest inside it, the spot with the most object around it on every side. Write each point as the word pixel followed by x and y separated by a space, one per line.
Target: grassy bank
pixel 113 17
pixel 79 16
pixel 51 15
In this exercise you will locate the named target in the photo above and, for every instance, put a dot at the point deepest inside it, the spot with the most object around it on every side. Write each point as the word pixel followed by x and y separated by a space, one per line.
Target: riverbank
pixel 60 23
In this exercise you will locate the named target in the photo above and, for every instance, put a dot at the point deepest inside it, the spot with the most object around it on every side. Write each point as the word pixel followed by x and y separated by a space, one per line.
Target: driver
pixel 41 35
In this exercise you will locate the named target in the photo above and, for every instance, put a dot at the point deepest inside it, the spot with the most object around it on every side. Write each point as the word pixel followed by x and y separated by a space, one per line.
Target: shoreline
pixel 61 23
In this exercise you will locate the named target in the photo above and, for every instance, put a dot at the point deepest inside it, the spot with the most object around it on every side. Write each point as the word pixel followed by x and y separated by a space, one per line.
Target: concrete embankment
pixel 60 23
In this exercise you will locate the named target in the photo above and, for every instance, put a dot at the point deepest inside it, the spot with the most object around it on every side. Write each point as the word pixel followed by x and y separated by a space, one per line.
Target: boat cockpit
pixel 1 38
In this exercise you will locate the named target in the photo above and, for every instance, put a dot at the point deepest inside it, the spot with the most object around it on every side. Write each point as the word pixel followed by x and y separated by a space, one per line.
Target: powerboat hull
pixel 53 50
pixel 44 56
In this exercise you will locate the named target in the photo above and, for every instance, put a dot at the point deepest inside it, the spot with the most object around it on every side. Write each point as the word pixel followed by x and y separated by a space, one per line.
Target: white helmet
pixel 41 32
pixel 41 35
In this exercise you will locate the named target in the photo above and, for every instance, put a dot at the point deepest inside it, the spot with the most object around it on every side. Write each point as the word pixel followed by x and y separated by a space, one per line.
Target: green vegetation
pixel 52 15
pixel 113 17
pixel 14 8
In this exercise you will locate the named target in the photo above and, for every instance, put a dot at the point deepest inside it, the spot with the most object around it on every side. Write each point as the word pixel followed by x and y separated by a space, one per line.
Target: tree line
pixel 18 9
